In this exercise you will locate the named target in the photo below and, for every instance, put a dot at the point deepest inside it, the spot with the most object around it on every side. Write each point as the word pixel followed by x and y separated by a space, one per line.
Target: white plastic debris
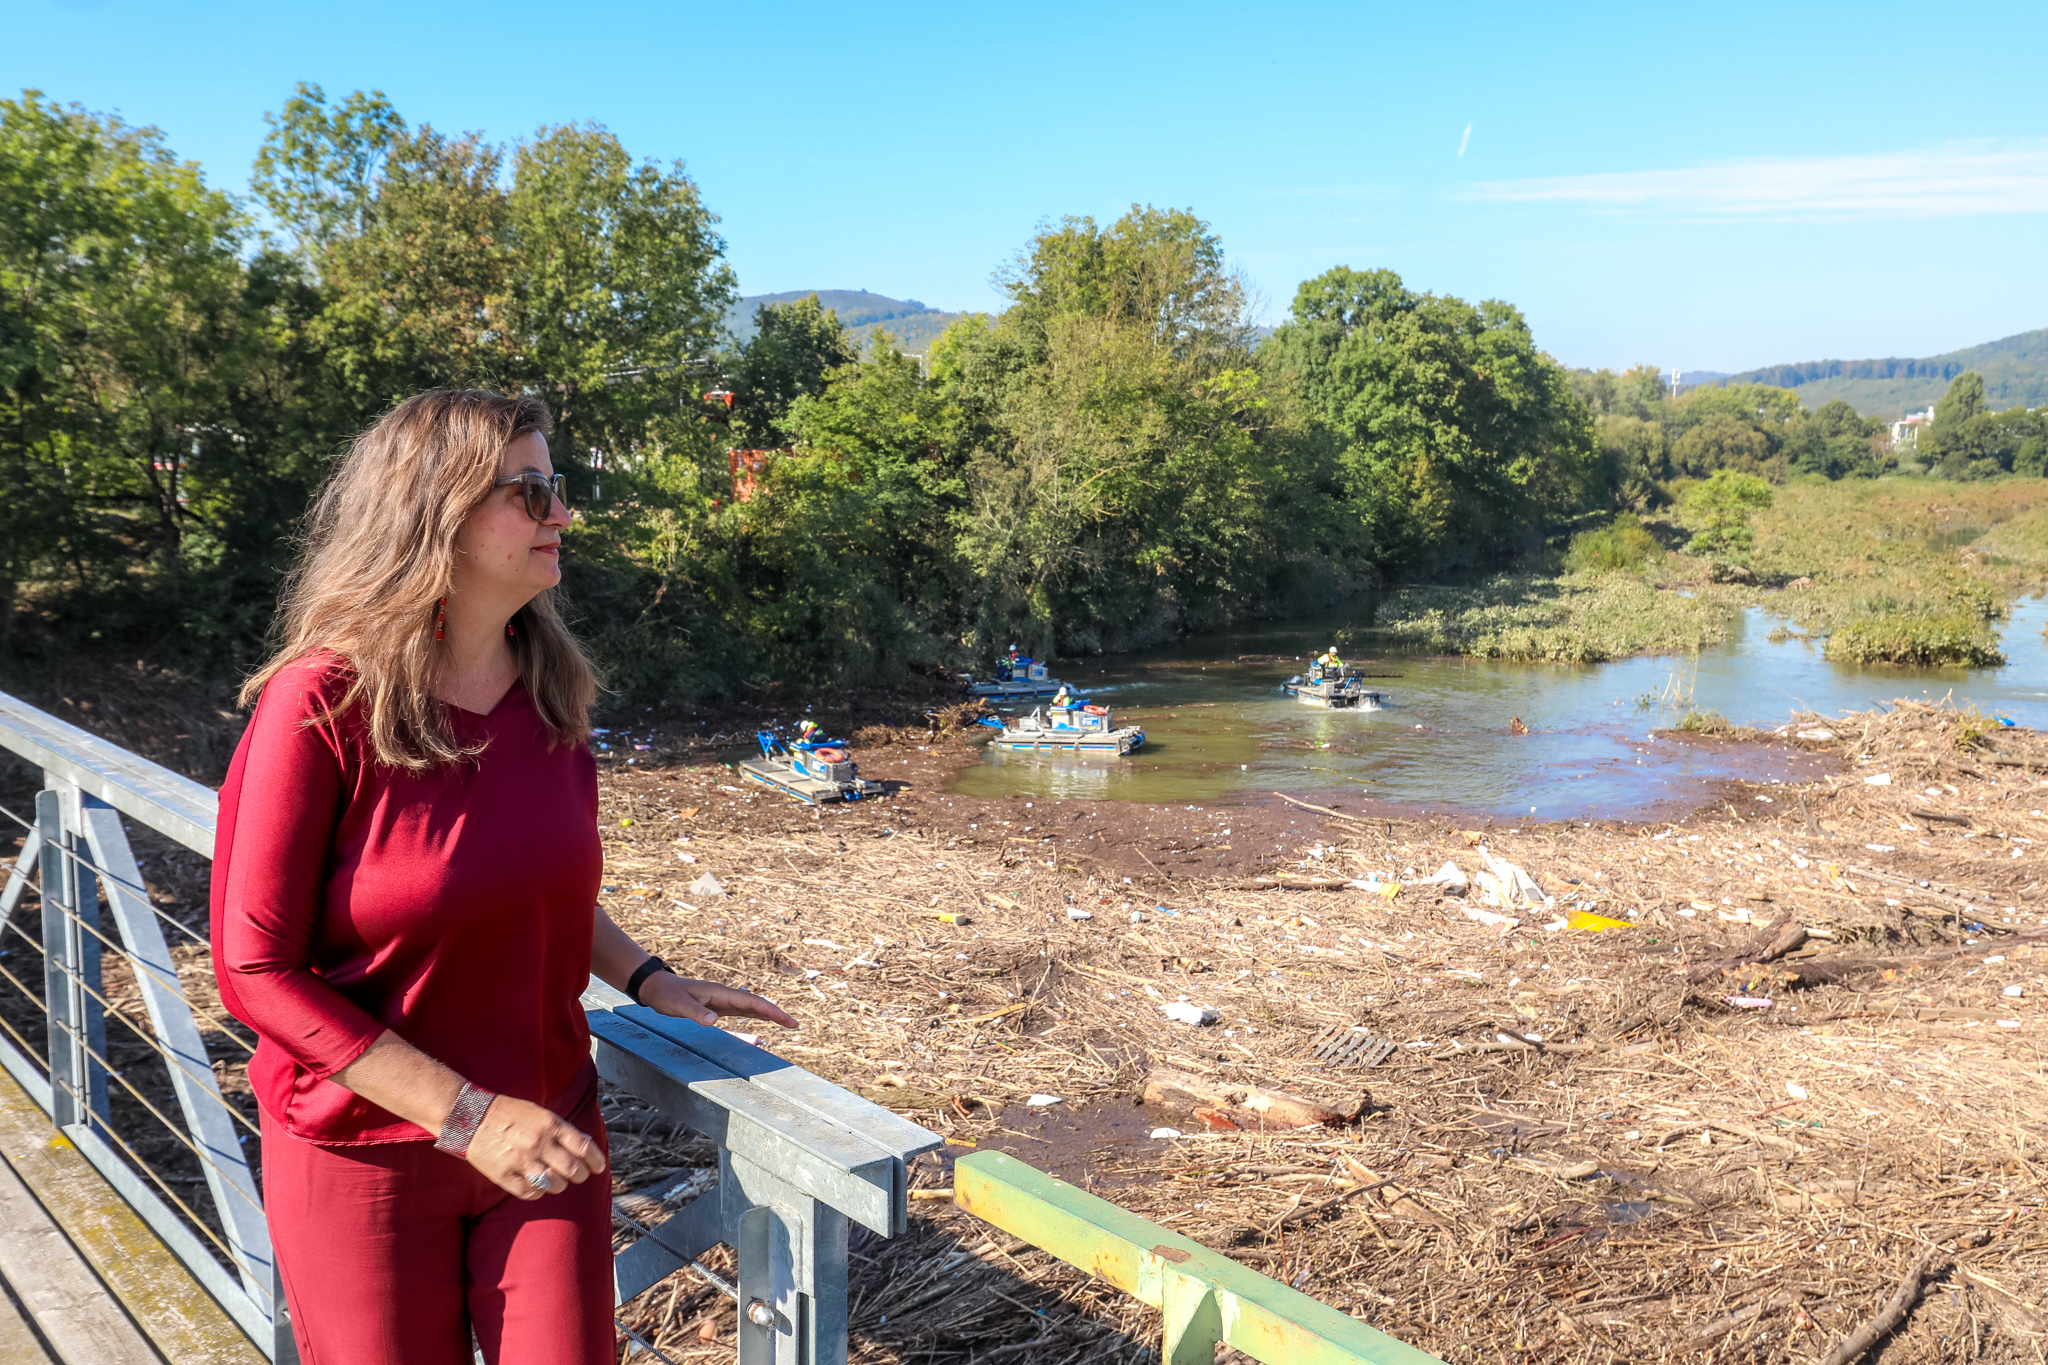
pixel 1878 780
pixel 707 885
pixel 1882 848
pixel 1076 912
pixel 1040 1101
pixel 1137 917
pixel 1183 1013
pixel 687 857
pixel 1504 884
pixel 1491 918
pixel 1450 874
pixel 1795 1090
pixel 1166 1132
pixel 2015 991
pixel 1816 734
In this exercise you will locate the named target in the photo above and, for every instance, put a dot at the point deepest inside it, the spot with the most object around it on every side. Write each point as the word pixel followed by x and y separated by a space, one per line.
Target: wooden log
pixel 1246 1106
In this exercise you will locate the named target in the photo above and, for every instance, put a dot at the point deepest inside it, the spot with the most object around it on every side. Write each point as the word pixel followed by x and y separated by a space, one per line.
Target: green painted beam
pixel 1205 1297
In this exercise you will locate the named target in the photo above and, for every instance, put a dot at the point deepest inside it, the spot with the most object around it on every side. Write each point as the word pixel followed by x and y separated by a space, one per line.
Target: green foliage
pixel 1720 509
pixel 1969 441
pixel 1621 546
pixel 792 348
pixel 1456 439
pixel 1958 638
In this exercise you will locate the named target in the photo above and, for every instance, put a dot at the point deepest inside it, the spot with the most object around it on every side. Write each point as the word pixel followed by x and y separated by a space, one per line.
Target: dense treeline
pixel 1107 461
pixel 1650 440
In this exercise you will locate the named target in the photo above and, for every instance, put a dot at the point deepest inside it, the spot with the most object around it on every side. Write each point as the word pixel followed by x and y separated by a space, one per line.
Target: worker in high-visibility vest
pixel 1063 697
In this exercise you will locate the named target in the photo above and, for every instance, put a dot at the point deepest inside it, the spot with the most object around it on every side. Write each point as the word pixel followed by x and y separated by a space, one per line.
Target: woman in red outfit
pixel 404 910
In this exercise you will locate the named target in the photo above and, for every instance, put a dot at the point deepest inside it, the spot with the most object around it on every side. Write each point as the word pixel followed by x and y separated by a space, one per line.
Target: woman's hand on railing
pixel 519 1140
pixel 704 1001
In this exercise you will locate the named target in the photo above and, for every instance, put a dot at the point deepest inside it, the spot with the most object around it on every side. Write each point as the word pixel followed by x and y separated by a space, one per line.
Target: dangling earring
pixel 508 628
pixel 440 617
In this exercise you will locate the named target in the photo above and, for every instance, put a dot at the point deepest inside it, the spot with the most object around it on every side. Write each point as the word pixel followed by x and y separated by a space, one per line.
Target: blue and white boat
pixel 1340 687
pixel 1016 679
pixel 810 770
pixel 1077 728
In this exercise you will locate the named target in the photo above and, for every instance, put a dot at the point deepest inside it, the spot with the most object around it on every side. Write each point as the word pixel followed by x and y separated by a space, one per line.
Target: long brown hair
pixel 379 551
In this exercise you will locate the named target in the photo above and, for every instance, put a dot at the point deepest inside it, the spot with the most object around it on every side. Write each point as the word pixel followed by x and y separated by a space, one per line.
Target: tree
pixel 1634 456
pixel 1834 442
pixel 1459 439
pixel 124 337
pixel 1723 442
pixel 1720 509
pixel 794 347
pixel 1964 400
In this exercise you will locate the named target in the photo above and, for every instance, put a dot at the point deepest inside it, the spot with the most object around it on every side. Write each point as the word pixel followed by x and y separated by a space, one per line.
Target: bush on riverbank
pixel 1955 639
pixel 1619 547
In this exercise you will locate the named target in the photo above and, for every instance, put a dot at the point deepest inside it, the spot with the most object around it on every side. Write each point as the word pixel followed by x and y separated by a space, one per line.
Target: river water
pixel 1218 729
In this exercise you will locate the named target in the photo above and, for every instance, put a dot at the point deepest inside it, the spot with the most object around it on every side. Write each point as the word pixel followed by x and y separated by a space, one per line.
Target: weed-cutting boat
pixel 811 770
pixel 1338 686
pixel 1016 679
pixel 1076 728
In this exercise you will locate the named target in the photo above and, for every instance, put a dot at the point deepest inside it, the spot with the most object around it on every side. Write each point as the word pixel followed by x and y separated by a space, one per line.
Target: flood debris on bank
pixel 1806 1066
pixel 1806 1070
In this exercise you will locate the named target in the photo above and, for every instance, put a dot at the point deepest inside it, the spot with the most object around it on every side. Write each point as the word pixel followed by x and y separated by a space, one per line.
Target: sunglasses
pixel 542 491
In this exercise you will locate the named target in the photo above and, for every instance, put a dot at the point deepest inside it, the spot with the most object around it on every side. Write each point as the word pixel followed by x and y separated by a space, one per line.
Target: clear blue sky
pixel 1712 187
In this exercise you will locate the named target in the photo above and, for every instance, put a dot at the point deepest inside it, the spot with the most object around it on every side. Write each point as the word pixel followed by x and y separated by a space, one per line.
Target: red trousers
pixel 391 1253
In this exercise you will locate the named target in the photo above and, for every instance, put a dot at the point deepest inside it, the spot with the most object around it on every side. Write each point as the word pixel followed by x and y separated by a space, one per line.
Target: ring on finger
pixel 543 1181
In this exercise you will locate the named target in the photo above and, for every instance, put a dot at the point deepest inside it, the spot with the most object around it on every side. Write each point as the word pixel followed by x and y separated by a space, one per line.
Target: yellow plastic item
pixel 1592 923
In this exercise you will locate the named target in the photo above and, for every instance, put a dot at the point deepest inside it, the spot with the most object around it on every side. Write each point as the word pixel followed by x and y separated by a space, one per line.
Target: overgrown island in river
pixel 1118 457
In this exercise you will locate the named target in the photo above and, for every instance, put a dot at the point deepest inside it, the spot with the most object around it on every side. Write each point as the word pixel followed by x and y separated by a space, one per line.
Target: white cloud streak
pixel 1958 180
pixel 1464 142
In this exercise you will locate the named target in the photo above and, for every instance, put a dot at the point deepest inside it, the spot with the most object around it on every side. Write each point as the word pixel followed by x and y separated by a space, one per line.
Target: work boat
pixel 1339 687
pixel 1016 679
pixel 810 770
pixel 1078 728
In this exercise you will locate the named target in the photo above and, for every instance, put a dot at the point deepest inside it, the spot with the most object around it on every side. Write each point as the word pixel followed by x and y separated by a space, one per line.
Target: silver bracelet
pixel 463 1120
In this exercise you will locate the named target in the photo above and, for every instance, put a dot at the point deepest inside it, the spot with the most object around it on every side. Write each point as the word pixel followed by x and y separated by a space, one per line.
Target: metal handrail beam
pixel 166 802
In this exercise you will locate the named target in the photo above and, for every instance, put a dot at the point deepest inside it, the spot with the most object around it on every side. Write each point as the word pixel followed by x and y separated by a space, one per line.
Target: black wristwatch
pixel 640 975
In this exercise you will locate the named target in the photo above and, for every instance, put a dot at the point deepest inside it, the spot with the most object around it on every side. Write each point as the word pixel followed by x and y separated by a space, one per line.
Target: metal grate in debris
pixel 1350 1045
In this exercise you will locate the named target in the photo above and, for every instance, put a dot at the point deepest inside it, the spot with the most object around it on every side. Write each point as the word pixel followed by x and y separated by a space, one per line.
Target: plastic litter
pixel 1749 1002
pixel 1166 1132
pixel 1040 1101
pixel 707 885
pixel 1076 912
pixel 1183 1013
pixel 1490 917
pixel 1504 884
pixel 1795 1090
pixel 1878 780
pixel 1816 734
pixel 2014 991
pixel 1449 875
pixel 1594 924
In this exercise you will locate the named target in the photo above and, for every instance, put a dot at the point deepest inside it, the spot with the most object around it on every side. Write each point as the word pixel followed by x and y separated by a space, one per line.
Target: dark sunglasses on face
pixel 542 492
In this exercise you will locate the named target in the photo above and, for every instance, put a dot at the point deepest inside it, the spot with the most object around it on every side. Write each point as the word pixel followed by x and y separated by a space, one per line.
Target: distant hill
pixel 2015 372
pixel 914 325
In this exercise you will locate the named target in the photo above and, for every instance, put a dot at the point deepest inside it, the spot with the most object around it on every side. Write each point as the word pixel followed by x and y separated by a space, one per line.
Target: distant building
pixel 1906 431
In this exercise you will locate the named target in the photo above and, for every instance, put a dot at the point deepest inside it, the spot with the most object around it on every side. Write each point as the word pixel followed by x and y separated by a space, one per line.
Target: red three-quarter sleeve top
pixel 454 907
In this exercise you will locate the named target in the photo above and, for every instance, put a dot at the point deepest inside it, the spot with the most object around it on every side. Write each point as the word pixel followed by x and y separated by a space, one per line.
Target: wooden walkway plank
pixel 18 1343
pixel 72 1308
pixel 101 1231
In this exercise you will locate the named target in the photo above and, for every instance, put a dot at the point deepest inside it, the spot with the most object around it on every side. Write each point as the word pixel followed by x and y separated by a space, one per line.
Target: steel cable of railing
pixel 98 871
pixel 163 1185
pixel 198 1152
pixel 138 964
pixel 645 1344
pixel 169 1056
pixel 42 1007
pixel 704 1272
